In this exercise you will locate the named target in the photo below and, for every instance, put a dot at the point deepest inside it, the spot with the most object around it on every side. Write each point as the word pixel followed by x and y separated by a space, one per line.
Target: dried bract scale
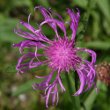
pixel 103 72
pixel 60 53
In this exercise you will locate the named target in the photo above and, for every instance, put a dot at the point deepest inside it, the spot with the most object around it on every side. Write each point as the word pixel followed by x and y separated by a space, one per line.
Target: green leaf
pixel 22 2
pixel 95 44
pixel 99 45
pixel 92 96
pixel 7 30
pixel 81 3
pixel 106 26
pixel 96 24
pixel 43 2
pixel 24 88
pixel 104 7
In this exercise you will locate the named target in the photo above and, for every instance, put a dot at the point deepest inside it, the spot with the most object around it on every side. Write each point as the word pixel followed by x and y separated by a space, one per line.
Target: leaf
pixel 43 2
pixel 106 26
pixel 91 98
pixel 7 30
pixel 95 44
pixel 99 45
pixel 21 2
pixel 81 3
pixel 96 24
pixel 104 7
pixel 24 88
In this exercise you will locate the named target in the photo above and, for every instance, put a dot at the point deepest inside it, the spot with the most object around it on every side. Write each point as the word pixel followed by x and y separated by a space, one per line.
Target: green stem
pixel 71 87
pixel 92 97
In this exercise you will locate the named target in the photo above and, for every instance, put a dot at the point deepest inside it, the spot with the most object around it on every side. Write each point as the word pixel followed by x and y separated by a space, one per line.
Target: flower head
pixel 103 72
pixel 60 54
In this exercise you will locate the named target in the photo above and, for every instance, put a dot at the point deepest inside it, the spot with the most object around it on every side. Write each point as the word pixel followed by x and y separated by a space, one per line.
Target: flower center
pixel 60 54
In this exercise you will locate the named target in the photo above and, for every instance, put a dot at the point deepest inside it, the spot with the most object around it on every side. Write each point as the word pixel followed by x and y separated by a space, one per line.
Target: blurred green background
pixel 16 93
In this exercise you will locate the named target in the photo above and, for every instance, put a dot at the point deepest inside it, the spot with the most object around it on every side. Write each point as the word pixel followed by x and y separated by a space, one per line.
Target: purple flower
pixel 60 54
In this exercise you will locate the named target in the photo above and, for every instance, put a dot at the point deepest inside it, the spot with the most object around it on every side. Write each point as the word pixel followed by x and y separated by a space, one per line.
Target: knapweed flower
pixel 60 54
pixel 103 72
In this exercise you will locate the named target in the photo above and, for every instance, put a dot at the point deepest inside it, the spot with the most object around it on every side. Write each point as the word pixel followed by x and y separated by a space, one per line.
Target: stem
pixel 71 87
